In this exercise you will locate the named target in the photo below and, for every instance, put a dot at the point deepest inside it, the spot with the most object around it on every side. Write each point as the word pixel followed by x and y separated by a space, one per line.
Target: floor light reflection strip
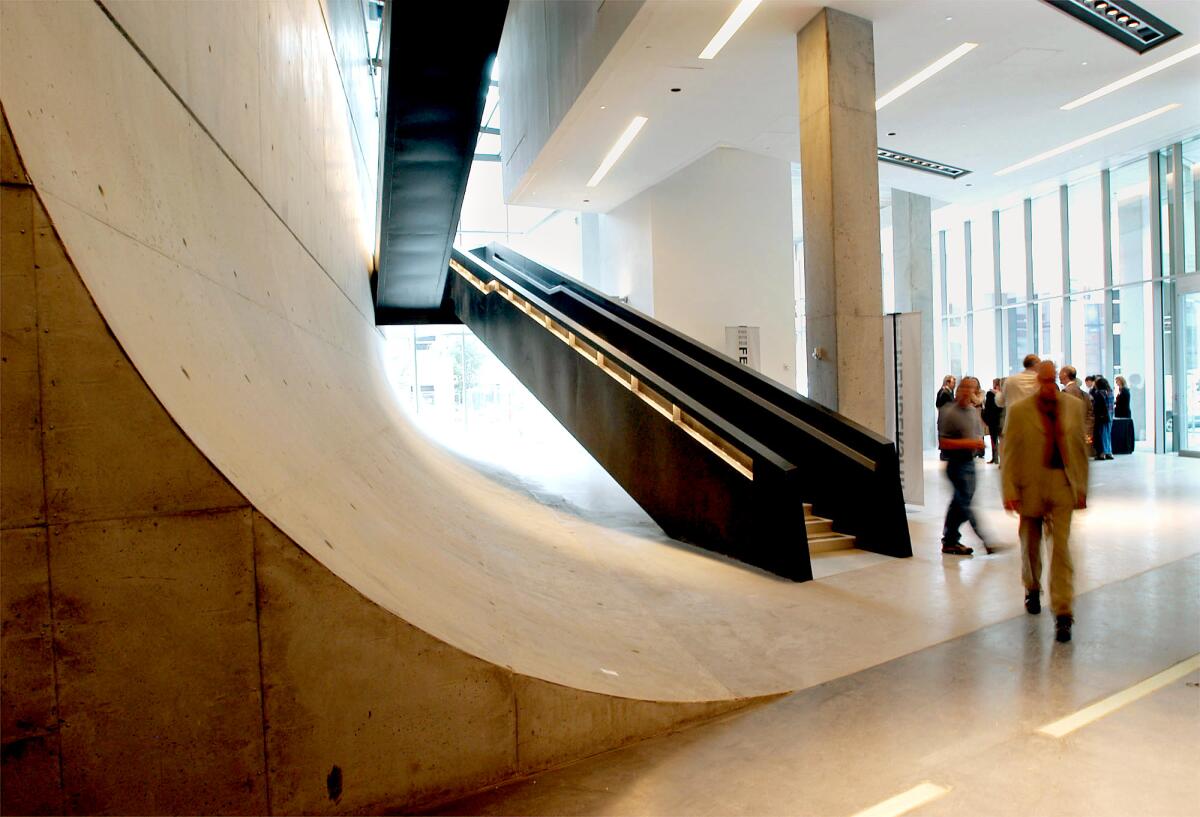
pixel 1067 725
pixel 906 801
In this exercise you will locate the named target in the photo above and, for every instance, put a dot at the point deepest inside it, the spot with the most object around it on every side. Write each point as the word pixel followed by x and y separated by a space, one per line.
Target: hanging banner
pixel 904 391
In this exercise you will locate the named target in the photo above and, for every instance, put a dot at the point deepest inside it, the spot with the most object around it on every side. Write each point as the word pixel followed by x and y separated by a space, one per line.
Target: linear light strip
pixel 924 74
pixel 724 33
pixel 906 801
pixel 1112 703
pixel 1149 70
pixel 1084 140
pixel 617 149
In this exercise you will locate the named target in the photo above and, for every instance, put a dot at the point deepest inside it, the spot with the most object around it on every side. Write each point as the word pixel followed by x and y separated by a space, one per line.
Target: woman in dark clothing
pixel 1102 407
pixel 1123 432
pixel 1122 401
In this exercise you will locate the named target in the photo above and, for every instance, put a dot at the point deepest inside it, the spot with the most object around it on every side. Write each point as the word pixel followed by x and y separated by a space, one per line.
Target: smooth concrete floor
pixel 963 713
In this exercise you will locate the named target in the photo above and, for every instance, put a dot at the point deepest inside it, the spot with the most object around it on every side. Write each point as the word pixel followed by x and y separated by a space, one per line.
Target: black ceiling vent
pixel 916 163
pixel 1125 22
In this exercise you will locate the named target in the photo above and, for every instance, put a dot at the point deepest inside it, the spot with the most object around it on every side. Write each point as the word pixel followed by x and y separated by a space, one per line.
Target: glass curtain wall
pixel 1131 233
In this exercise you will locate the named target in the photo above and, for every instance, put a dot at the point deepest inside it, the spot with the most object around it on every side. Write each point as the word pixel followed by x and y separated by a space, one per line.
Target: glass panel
pixel 887 261
pixel 1086 245
pixel 488 143
pixel 956 336
pixel 1131 223
pixel 1017 343
pixel 1133 353
pixel 985 346
pixel 1171 434
pixel 956 271
pixel 1087 333
pixel 1049 323
pixel 1189 367
pixel 1012 255
pixel 1166 208
pixel 983 270
pixel 1191 203
pixel 1047 245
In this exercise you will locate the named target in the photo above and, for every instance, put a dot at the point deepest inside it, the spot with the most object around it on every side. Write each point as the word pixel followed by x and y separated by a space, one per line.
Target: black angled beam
pixel 437 62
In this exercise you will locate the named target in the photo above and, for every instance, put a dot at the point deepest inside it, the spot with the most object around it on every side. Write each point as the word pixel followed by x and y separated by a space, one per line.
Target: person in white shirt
pixel 1022 384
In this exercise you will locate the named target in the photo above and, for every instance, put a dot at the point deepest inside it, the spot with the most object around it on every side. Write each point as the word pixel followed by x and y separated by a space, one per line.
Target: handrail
pixel 733 456
pixel 686 356
pixel 703 419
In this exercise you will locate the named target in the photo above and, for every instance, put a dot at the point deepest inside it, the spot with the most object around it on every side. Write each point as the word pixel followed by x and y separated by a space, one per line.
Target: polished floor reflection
pixel 962 715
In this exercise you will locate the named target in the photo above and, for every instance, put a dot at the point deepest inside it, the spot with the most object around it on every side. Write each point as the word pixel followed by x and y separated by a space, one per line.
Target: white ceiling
pixel 996 106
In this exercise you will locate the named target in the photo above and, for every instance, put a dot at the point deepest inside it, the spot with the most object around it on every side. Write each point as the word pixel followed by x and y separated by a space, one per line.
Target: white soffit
pixel 996 106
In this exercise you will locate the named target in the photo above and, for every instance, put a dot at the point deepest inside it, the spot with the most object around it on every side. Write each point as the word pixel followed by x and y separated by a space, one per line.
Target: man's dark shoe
pixel 1033 602
pixel 957 550
pixel 1062 628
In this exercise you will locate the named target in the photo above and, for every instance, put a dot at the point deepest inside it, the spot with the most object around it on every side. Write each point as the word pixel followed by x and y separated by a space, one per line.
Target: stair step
pixel 817 524
pixel 827 542
pixel 807 510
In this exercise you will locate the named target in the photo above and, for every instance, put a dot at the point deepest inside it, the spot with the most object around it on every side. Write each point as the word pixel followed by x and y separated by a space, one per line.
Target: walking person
pixel 1045 480
pixel 960 435
pixel 1102 411
pixel 993 419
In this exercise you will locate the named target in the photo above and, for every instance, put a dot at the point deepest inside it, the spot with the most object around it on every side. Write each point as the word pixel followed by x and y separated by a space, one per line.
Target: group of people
pixel 1103 405
pixel 1041 437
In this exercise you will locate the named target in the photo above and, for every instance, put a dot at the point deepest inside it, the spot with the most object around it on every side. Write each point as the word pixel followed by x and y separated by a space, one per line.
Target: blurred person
pixel 1102 411
pixel 1045 480
pixel 977 404
pixel 946 393
pixel 960 435
pixel 993 419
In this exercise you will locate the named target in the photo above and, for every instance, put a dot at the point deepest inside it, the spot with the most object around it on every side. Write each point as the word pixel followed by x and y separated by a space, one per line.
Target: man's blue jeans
pixel 961 474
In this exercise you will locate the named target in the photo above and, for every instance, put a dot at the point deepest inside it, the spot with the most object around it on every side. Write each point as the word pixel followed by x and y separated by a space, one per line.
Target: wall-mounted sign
pixel 741 344
pixel 904 392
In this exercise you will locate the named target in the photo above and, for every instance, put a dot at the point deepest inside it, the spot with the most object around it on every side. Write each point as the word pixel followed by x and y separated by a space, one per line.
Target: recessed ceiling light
pixel 1187 53
pixel 724 33
pixel 604 107
pixel 676 90
pixel 948 19
pixel 922 75
pixel 614 153
pixel 1121 20
pixel 891 133
pixel 1084 140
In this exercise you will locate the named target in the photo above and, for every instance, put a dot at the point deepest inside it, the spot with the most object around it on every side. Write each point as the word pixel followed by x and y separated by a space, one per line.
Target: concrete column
pixel 912 258
pixel 842 275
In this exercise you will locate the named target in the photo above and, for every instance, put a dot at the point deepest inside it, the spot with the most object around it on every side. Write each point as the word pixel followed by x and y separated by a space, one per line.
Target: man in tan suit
pixel 1045 477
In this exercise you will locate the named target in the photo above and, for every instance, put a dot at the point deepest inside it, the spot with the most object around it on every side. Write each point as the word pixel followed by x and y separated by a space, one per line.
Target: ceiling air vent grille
pixel 917 163
pixel 1125 22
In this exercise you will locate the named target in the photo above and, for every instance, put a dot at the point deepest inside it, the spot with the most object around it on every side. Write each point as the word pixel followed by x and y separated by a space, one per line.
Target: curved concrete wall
pixel 200 169
pixel 166 649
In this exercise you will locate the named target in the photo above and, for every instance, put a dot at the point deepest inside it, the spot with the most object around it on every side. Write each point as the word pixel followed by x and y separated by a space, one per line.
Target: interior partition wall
pixel 1084 273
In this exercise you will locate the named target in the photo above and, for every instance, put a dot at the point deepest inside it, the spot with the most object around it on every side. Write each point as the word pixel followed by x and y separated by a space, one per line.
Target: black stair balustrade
pixel 846 471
